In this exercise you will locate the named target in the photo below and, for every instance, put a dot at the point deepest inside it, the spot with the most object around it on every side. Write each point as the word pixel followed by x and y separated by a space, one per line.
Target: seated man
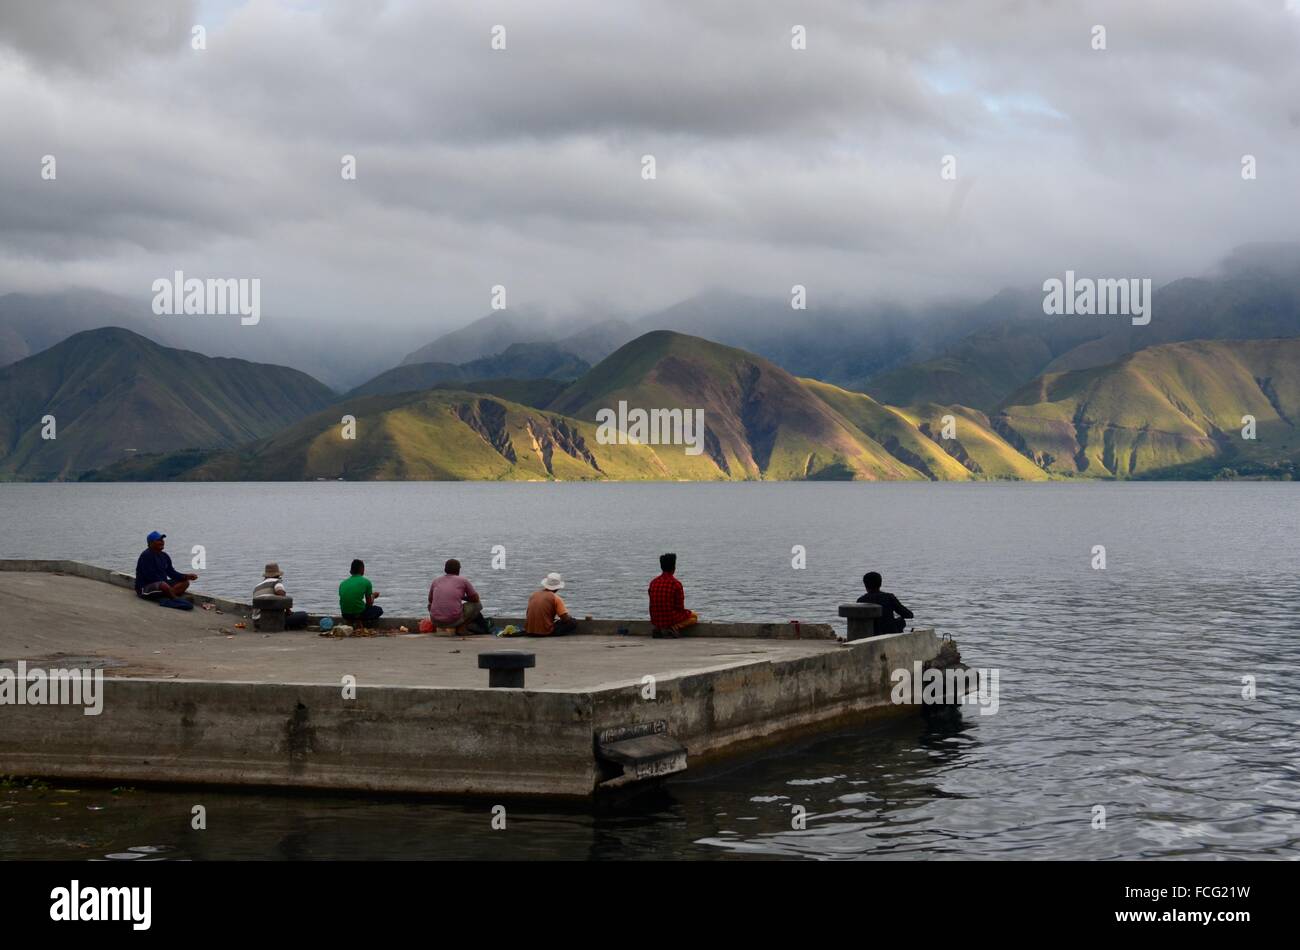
pixel 154 574
pixel 547 615
pixel 888 603
pixel 454 603
pixel 272 585
pixel 357 597
pixel 668 610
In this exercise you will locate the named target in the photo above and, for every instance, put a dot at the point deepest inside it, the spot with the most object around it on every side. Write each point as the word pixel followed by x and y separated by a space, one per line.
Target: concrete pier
pixel 189 698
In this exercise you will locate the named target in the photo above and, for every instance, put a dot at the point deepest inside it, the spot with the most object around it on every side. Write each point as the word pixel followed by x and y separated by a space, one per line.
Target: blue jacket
pixel 154 566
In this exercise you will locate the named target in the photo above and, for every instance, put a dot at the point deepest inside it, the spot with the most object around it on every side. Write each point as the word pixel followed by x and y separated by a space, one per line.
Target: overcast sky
pixel 522 167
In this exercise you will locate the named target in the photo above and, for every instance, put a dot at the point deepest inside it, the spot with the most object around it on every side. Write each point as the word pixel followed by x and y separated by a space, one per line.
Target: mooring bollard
pixel 271 612
pixel 862 619
pixel 506 667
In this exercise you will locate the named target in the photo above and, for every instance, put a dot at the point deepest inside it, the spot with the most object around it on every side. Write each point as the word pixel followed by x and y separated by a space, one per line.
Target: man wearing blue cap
pixel 154 573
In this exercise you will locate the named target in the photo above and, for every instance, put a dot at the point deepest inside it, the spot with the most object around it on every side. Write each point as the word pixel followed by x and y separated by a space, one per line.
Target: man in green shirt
pixel 357 598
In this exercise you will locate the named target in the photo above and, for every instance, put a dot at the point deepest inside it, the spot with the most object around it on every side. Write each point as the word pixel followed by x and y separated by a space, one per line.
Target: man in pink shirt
pixel 454 603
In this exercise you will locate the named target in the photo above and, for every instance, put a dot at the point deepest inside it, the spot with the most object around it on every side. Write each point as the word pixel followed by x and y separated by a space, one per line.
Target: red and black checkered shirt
pixel 667 601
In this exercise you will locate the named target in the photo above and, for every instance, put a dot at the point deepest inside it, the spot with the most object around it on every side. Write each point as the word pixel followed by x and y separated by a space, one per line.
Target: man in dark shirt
pixel 888 603
pixel 154 573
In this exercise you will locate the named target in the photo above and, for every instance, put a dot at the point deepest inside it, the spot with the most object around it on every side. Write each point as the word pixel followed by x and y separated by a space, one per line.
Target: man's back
pixel 543 607
pixel 269 586
pixel 446 594
pixel 152 566
pixel 667 601
pixel 892 612
pixel 352 594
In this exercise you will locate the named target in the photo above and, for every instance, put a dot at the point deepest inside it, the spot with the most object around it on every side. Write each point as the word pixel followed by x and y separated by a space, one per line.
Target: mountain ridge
pixel 127 407
pixel 1166 407
pixel 112 391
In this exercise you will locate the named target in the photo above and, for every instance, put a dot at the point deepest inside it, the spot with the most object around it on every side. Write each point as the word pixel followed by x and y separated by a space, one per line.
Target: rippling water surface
pixel 1119 688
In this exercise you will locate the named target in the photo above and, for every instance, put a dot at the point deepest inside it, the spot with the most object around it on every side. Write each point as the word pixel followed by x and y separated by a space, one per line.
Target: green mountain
pixel 976 442
pixel 916 436
pixel 30 323
pixel 1255 294
pixel 409 377
pixel 886 426
pixel 760 421
pixel 114 393
pixel 434 435
pixel 832 341
pixel 535 393
pixel 517 361
pixel 984 367
pixel 483 337
pixel 1245 304
pixel 588 338
pixel 1171 410
pixel 1166 411
pixel 595 341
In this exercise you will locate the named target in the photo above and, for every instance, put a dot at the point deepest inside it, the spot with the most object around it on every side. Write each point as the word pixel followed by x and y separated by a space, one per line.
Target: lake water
pixel 1119 688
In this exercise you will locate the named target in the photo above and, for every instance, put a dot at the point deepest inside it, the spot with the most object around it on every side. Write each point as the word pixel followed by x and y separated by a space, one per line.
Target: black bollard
pixel 862 619
pixel 506 667
pixel 272 611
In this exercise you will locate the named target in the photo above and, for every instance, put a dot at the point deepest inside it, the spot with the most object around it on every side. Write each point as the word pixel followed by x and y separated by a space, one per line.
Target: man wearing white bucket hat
pixel 547 615
pixel 272 583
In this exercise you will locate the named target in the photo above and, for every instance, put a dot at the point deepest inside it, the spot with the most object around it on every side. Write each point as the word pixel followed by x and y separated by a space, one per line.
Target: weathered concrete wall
pixel 393 739
pixel 441 740
pixel 643 628
pixel 740 708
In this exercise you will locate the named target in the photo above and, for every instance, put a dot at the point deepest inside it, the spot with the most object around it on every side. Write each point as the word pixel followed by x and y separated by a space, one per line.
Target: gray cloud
pixel 107 36
pixel 522 167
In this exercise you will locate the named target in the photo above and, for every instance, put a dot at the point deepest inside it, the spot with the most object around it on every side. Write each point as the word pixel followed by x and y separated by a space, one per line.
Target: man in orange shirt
pixel 547 615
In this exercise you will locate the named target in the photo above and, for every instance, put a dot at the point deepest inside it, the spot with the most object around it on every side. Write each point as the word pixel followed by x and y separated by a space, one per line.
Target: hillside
pixel 595 341
pixel 1255 294
pixel 31 323
pixel 114 393
pixel 435 435
pixel 1172 409
pixel 588 338
pixel 835 342
pixel 482 337
pixel 518 361
pixel 761 422
pixel 983 368
pixel 535 393
pixel 915 436
pixel 1238 306
pixel 409 377
pixel 1166 411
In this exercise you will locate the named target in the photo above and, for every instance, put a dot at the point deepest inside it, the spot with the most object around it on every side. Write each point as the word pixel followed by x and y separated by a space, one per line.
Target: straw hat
pixel 553 581
pixel 273 570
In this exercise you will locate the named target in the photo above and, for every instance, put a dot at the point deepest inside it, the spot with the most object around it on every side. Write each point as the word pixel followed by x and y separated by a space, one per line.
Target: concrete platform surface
pixel 48 618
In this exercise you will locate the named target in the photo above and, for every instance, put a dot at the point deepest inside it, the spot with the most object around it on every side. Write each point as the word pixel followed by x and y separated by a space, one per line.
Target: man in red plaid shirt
pixel 668 610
